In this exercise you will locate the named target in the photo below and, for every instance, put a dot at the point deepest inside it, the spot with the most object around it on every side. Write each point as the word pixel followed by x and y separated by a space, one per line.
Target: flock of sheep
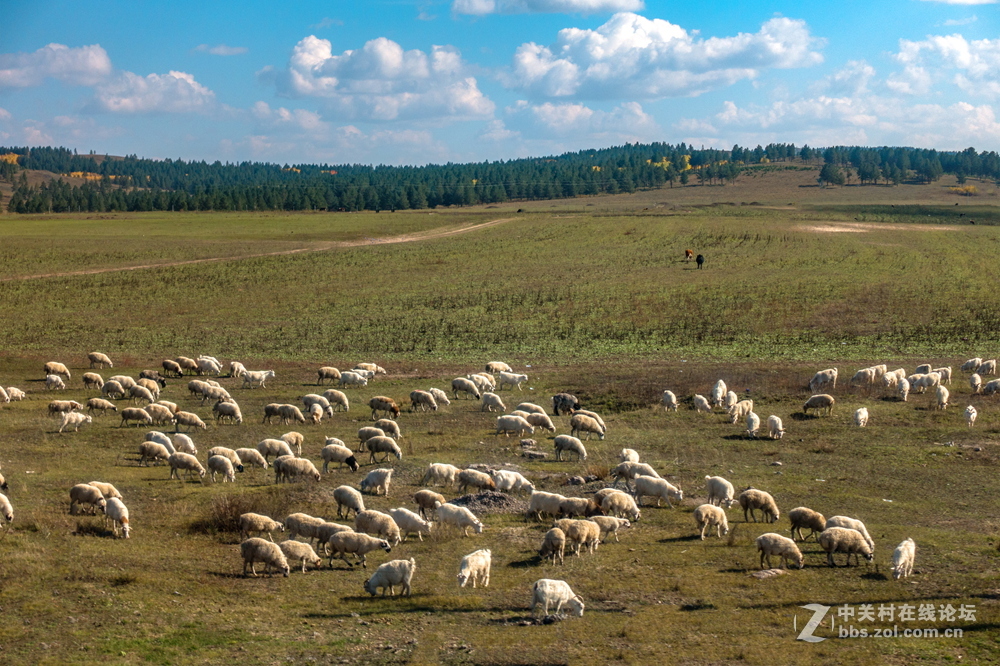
pixel 579 523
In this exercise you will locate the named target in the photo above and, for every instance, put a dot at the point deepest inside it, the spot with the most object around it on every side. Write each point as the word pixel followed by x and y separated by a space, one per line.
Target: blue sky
pixel 418 81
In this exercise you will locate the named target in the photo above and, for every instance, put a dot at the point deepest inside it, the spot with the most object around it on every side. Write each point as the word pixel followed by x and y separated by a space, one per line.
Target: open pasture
pixel 595 302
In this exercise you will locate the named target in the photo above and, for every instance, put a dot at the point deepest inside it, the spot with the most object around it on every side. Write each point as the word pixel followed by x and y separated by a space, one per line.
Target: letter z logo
pixel 819 612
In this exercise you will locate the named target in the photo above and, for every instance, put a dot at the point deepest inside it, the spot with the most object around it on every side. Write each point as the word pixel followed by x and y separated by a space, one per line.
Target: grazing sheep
pixel 740 410
pixel 126 381
pixel 160 438
pixel 822 401
pixel 497 366
pixel 719 391
pixel 237 369
pixel 422 399
pixel 553 545
pixel 327 372
pixel 152 385
pixel 475 479
pixel 945 374
pixel 569 444
pixel 296 550
pixel 491 400
pixel 349 378
pixel 708 515
pixel 774 544
pixel 581 423
pixel 466 386
pixel 752 499
pixel 222 465
pixel 425 500
pixel 160 414
pixel 257 550
pixel 510 481
pixel 579 506
pixel 941 395
pixel 208 366
pixel 295 440
pixel 775 429
pixel 483 382
pixel 805 517
pixel 315 413
pixel 753 425
pixel 440 396
pixel 410 523
pixel 731 400
pixel 251 457
pixel 346 543
pixel 55 368
pixel 190 420
pixel 864 378
pixel 311 399
pixel 629 470
pixel 378 524
pixel 92 380
pixel 74 420
pixel 670 403
pixel 169 405
pixel 546 592
pixel 253 379
pixel 335 451
pixel 656 487
pixel 117 512
pixel 440 474
pixel 991 387
pixel 172 368
pixel 381 403
pixel 256 522
pixel 291 469
pixel 922 369
pixel 14 394
pixel 628 455
pixel 390 574
pixel 460 517
pixel 274 447
pixel 141 393
pixel 822 379
pixel 108 490
pixel 903 389
pixel 610 525
pixel 844 540
pixel 54 382
pixel 475 567
pixel 701 404
pixel 386 445
pixel 372 367
pixel 563 403
pixel 152 451
pixel 902 559
pixel 186 462
pixel 228 410
pixel 135 414
pixel 971 365
pixel 970 415
pixel 389 427
pixel 97 359
pixel 511 379
pixel 580 533
pixel 538 421
pixel 338 400
pixel 304 525
pixel 720 491
pixel 543 502
pixel 112 389
pixel 975 382
pixel 620 505
pixel 84 493
pixel 184 444
pixel 366 433
pixel 861 417
pixel 508 424
pixel 377 481
pixel 63 406
pixel 853 524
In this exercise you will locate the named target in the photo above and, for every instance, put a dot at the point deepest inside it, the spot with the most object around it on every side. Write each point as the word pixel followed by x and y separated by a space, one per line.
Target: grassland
pixel 590 294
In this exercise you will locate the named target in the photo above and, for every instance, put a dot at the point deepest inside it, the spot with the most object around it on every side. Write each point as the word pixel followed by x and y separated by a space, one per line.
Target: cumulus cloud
pixel 482 7
pixel 496 130
pixel 4 114
pixel 851 79
pixel 282 117
pixel 632 56
pixel 222 49
pixel 381 81
pixel 974 65
pixel 82 66
pixel 582 124
pixel 174 92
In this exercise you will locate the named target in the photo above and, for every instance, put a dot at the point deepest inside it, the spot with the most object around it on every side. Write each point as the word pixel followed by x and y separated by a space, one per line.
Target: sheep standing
pixel 54 382
pixel 669 401
pixel 513 424
pixel 720 491
pixel 975 383
pixel 822 401
pixel 740 410
pixel 553 545
pixel 629 470
pixel 84 493
pixel 775 429
pixel 152 451
pixel 466 386
pixel 377 481
pixel 135 414
pixel 491 400
pixel 902 559
pixel 774 544
pixel 74 420
pixel 610 525
pixel 752 499
pixel 569 444
pixel 440 474
pixel 274 447
pixel 475 567
pixel 184 444
pixel 256 522
pixel 228 410
pixel 564 403
pixel 543 502
pixel 941 396
pixel 335 451
pixel 257 550
pixel 719 393
pixel 348 497
pixel 338 400
pixel 59 407
pixel 903 389
pixel 6 510
pixel 92 380
pixel 342 544
pixel 708 515
pixel 628 455
pixel 581 423
pixel 378 524
pixel 861 417
pixel 547 592
pixel 802 516
pixel 753 425
pixel 254 379
pixel 460 517
pixel 475 479
pixel 390 574
pixel 291 469
pixel 189 419
pixel 366 433
pixel 423 400
pixel 440 396
pixel 656 487
pixel 327 372
pixel 844 540
pixel 186 462
pixel 853 524
pixel 113 389
pixel 58 369
pixel 511 379
pixel 510 481
pixel 701 404
pixel 381 403
pixel 621 505
pixel 117 512
pixel 497 366
pixel 386 445
pixel 987 368
pixel 970 415
pixel 425 500
pixel 824 378
pixel 410 523
pixel 97 359
pixel 222 465
pixel 296 550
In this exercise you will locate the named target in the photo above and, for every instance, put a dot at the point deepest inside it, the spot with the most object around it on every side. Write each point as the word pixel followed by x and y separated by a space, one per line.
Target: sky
pixel 434 81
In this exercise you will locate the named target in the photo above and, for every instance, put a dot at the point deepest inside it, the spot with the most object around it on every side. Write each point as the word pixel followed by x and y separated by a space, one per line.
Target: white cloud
pixel 852 79
pixel 382 82
pixel 174 92
pixel 496 130
pixel 282 117
pixel 340 145
pixel 83 66
pixel 626 122
pixel 482 7
pixel 639 58
pixel 975 64
pixel 966 21
pixel 4 114
pixel 222 49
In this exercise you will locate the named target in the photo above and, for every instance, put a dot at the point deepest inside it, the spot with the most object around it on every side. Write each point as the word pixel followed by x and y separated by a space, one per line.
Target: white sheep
pixel 56 368
pixel 386 445
pixel 720 491
pixel 475 479
pixel 338 400
pixel 290 468
pixel 581 423
pixel 580 533
pixel 483 382
pixel 142 393
pixel 117 512
pixel 731 400
pixel 74 420
pixel 610 525
pixel 366 433
pixel 92 380
pixel 440 474
pixel 491 400
pixel 15 394
pixel 186 462
pixel 378 524
pixel 853 524
pixel 970 415
pixel 126 381
pixel 152 451
pixel 254 379
pixel 531 408
pixel 511 379
pixel 861 417
pixel 84 493
pixel 237 369
pixel 335 451
pixel 425 500
pixel 864 378
pixel 440 396
pixel 656 487
pixel 222 465
pixel 975 383
pixel 189 419
pixel 160 438
pixel 348 497
pixel 971 365
pixel 296 550
pixel 342 544
pixel 740 410
pixel 377 481
pixel 159 413
pixel 410 523
pixel 629 470
pixel 497 366
pixel 510 481
pixel 621 505
pixel 374 368
pixel 257 550
pixel 390 574
pixel 628 455
pixel 255 522
pixel 752 499
pixel 6 510
pixel 108 490
pixel 351 378
pixel 543 502
pixel 991 387
pixel 569 444
pixel 945 374
pixel 775 428
pixel 460 517
pixel 327 372
pixel 708 515
pixel 508 424
pixel 553 545
pixel 137 415
pixel 228 410
pixel 295 440
pixel 822 379
pixel 54 382
pixel 902 559
pixel 99 359
pixel 423 400
pixel 774 544
pixel 274 447
pixel 802 516
pixel 903 389
pixel 823 401
pixel 753 425
pixel 184 444
pixel 941 396
pixel 547 592
pixel 669 401
pixel 844 540
pixel 466 386
pixel 701 404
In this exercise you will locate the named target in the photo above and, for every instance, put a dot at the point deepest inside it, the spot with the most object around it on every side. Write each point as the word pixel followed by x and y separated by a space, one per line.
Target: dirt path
pixel 863 227
pixel 322 246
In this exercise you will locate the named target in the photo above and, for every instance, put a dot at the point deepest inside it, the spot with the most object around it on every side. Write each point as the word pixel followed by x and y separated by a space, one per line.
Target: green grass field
pixel 588 296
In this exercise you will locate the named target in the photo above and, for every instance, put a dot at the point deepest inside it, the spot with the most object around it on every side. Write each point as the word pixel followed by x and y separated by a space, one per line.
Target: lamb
pixel 351 379
pixel 497 366
pixel 440 396
pixel 410 523
pixel 656 487
pixel 903 389
pixel 853 524
pixel 390 574
pixel 511 379
pixel 553 545
pixel 708 515
pixel 578 506
pixel 113 389
pixel 459 516
pixel 135 414
pixel 55 368
pixel 222 465
pixel 292 469
pixel 327 372
pixel 257 550
pixel 172 368
pixel 475 479
pixel 513 424
pixel 386 445
pixel 255 522
pixel 546 592
pixel 941 396
pixel 822 401
pixel 621 505
pixel 970 415
pixel 345 543
pixel 227 410
pixel 543 502
pixel 610 525
pixel 861 417
pixel 186 462
pixel 190 420
pixel 251 457
pixel 753 425
pixel 491 400
pixel 54 382
pixel 581 423
pixel 720 491
pixel 775 429
pixel 844 540
pixel 378 524
pixel 253 379
pixel 381 403
pixel 975 382
pixel 296 550
pixel 366 433
pixel 14 394
pixel 805 517
pixel 273 447
pixel 159 414
pixel 669 401
pixel 92 380
pixel 510 481
pixel 84 493
pixel 569 444
pixel 377 481
pixel 425 500
pixel 822 379
pixel 74 420
pixel 422 400
pixel 63 406
pixel 335 451
pixel 902 559
pixel 440 474
pixel 701 404
pixel 740 410
pixel 774 544
pixel 564 403
pixel 152 451
pixel 466 386
pixel 628 455
pixel 338 400
pixel 752 499
pixel 629 470
pixel 295 440
pixel 389 427
pixel 108 490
